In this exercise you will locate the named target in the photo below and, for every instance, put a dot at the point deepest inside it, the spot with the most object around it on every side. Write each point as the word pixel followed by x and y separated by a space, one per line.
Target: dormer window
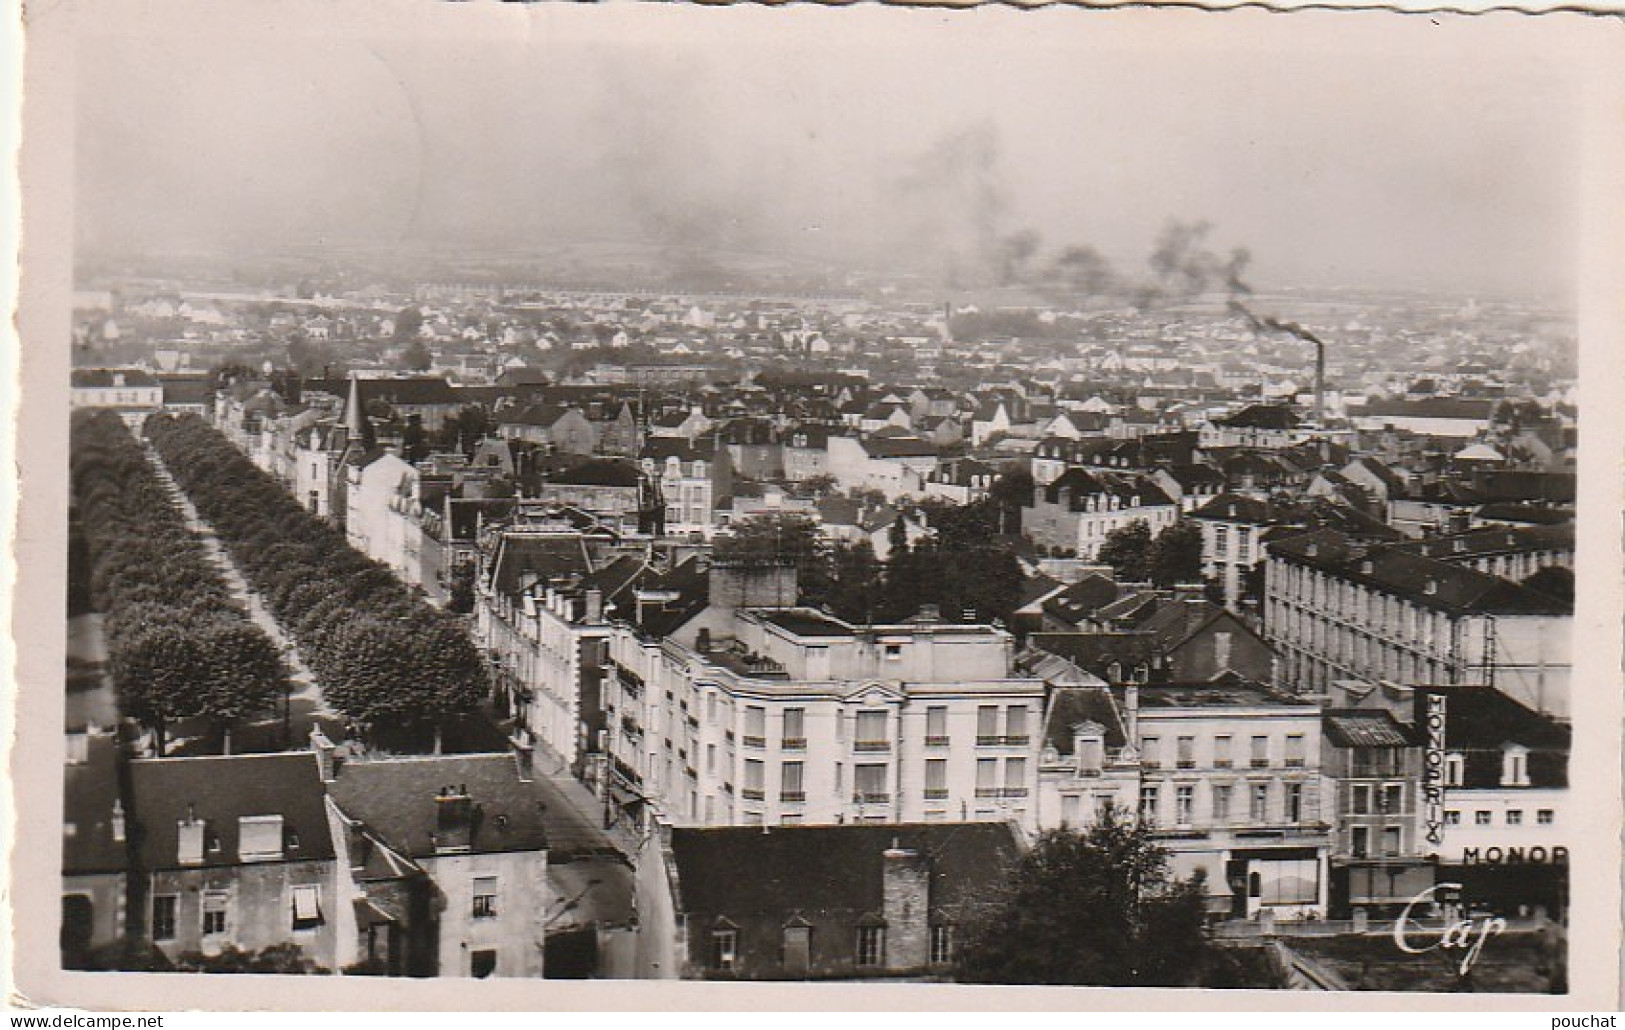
pixel 259 838
pixel 1514 766
pixel 1455 765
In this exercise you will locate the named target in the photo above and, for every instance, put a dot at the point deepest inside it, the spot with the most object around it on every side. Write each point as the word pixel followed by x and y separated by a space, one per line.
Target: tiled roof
pixel 1070 706
pixel 526 558
pixel 395 799
pixel 831 869
pixel 219 790
pixel 1361 728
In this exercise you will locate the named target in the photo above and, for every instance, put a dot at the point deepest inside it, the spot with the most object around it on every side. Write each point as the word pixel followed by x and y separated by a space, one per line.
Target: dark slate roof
pixel 1480 720
pixel 1363 728
pixel 1494 540
pixel 395 799
pixel 659 448
pixel 1083 598
pixel 525 558
pixel 1531 514
pixel 885 445
pixel 1262 416
pixel 1429 582
pixel 1232 507
pixel 1069 706
pixel 599 472
pixel 1095 652
pixel 219 790
pixel 541 414
pixel 830 869
pixel 466 514
pixel 90 790
pixel 1428 407
pixel 615 577
pixel 1195 475
pixel 692 586
pixel 89 378
pixel 1228 690
pixel 414 390
pixel 187 388
pixel 1083 485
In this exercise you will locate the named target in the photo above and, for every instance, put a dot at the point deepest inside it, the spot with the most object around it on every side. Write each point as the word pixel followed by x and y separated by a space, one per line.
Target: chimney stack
pixel 1131 713
pixel 326 760
pixel 906 907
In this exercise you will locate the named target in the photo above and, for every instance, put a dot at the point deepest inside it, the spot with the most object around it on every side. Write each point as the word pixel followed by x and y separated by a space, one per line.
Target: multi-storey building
pixel 757 712
pixel 1337 609
pixel 1226 771
pixel 1373 765
pixel 1078 510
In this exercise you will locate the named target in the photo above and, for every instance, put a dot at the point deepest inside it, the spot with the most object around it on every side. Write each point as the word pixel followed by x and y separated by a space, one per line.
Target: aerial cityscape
pixel 677 596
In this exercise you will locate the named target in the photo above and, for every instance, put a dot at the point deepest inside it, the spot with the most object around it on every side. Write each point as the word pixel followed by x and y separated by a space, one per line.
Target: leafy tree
pixel 407 324
pixel 464 431
pixel 417 356
pixel 414 441
pixel 1176 555
pixel 1127 549
pixel 1097 907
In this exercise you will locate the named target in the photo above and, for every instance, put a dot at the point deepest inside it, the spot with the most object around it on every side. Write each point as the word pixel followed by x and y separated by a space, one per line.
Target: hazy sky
pixel 1367 148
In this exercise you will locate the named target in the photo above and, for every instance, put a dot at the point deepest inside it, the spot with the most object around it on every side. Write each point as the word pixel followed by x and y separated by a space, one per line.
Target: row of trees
pixel 960 568
pixel 1168 558
pixel 383 655
pixel 179 645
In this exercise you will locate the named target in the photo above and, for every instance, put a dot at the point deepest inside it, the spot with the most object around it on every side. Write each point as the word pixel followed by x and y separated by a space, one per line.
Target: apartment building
pixel 1227 771
pixel 1338 609
pixel 756 715
pixel 1079 509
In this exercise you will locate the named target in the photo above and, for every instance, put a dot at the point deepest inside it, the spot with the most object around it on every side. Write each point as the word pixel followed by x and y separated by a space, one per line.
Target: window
pixel 190 842
pixel 754 778
pixel 987 724
pixel 1103 804
pixel 1515 766
pixel 1294 750
pixel 482 963
pixel 987 770
pixel 1184 795
pixel 1185 753
pixel 1481 818
pixel 1015 724
pixel 1514 817
pixel 214 913
pixel 755 726
pixel 1454 766
pixel 1294 802
pixel 942 945
pixel 724 949
pixel 1390 841
pixel 485 897
pixel 871 945
pixel 1360 799
pixel 936 725
pixel 936 778
pixel 1261 752
pixel 871 731
pixel 164 907
pixel 870 781
pixel 797 946
pixel 307 907
pixel 1544 816
pixel 1393 798
pixel 1259 803
pixel 1452 817
pixel 1071 808
pixel 1149 794
pixel 1221 751
pixel 795 728
pixel 710 758
pixel 1015 777
pixel 259 838
pixel 1151 752
pixel 790 782
pixel 1221 802
pixel 1361 841
pixel 1221 540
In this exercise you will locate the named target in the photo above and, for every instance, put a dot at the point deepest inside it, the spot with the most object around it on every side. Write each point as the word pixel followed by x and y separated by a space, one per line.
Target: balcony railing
pixel 751 794
pixel 1260 763
pixel 792 795
pixel 1294 763
pixel 870 798
pixel 1222 763
pixel 871 745
pixel 749 741
pixel 987 792
pixel 793 744
pixel 936 793
pixel 936 741
pixel 1012 792
pixel 1185 763
pixel 1002 740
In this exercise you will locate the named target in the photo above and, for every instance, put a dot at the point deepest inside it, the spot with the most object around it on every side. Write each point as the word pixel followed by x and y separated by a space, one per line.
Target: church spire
pixel 357 427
